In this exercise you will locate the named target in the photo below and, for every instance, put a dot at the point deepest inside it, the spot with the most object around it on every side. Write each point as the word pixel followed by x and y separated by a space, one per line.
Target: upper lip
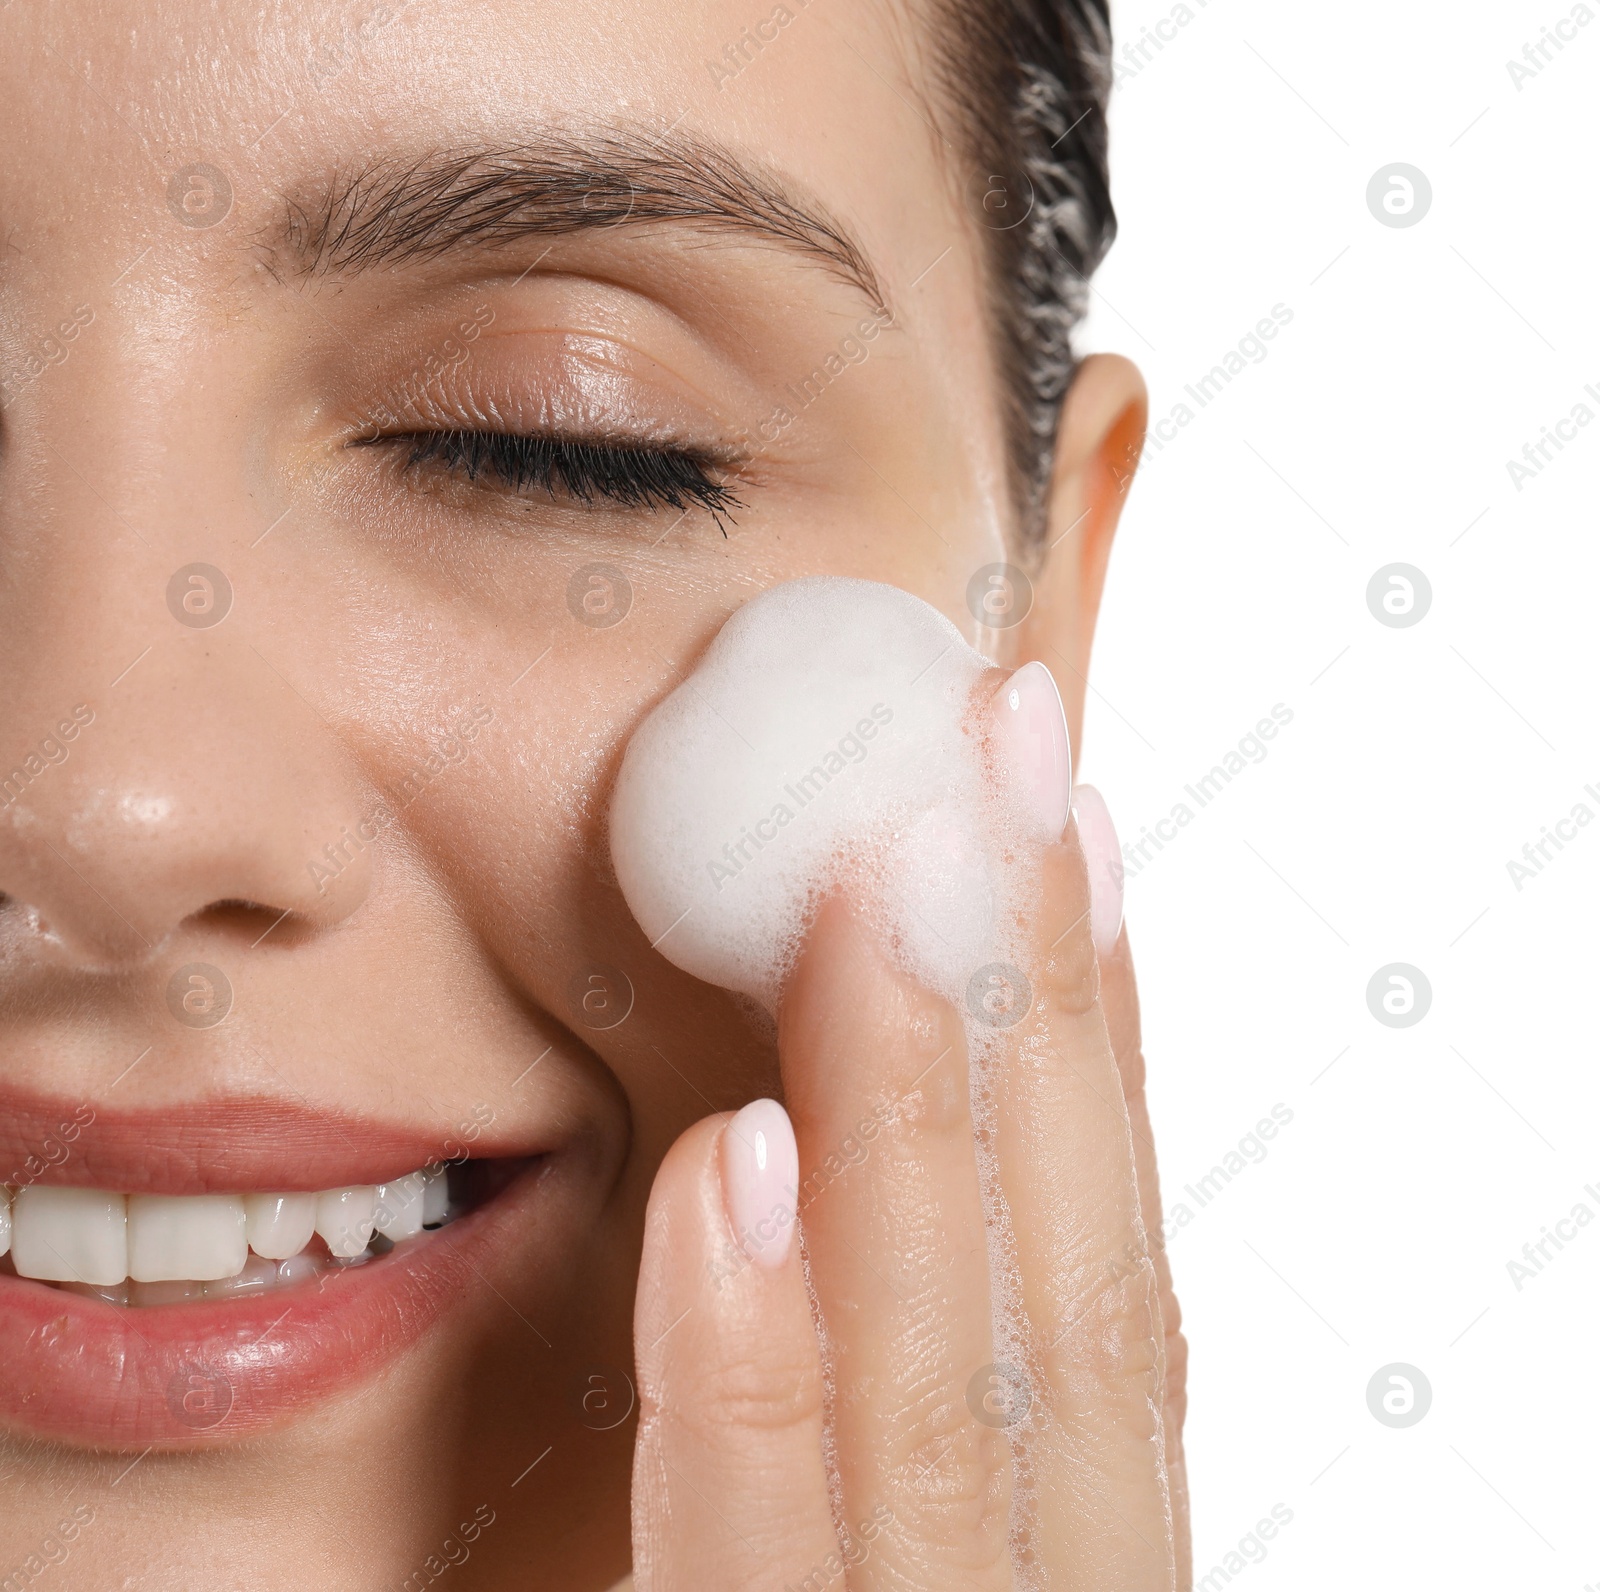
pixel 231 1145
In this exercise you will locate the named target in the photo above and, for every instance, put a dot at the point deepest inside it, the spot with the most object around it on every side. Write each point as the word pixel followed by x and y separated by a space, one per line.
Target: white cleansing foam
pixel 831 735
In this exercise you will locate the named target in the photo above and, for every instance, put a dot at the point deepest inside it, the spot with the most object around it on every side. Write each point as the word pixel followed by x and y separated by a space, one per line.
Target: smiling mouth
pixel 188 1277
pixel 145 1250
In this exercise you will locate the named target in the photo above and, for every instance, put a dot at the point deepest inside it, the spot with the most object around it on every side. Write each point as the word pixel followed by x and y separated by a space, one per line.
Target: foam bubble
pixel 828 735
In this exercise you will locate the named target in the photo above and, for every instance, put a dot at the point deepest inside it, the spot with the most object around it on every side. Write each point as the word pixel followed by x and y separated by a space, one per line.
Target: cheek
pixel 551 659
pixel 494 861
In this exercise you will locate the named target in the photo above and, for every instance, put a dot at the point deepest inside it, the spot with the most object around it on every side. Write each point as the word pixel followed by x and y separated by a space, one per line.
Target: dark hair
pixel 1029 81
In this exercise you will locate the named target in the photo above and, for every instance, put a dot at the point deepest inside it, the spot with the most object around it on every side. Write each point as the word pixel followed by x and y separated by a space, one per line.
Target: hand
pixel 1060 1467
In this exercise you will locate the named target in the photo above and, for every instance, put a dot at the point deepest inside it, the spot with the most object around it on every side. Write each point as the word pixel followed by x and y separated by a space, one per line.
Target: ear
pixel 1097 450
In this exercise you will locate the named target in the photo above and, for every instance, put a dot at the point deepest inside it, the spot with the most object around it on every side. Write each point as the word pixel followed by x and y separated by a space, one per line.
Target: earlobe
pixel 1098 443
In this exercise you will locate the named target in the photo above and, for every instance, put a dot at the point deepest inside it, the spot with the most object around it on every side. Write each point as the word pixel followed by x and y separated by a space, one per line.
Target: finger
pixel 1095 1440
pixel 1119 999
pixel 875 1072
pixel 730 1490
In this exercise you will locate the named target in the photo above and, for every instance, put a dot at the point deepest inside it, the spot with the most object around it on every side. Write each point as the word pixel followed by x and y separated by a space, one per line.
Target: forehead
pixel 106 101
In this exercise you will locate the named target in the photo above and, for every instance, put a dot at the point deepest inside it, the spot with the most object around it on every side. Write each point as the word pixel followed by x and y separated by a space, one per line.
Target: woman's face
pixel 345 704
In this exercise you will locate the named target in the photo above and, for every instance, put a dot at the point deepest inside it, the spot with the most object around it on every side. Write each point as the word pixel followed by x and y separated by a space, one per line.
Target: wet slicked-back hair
pixel 1029 81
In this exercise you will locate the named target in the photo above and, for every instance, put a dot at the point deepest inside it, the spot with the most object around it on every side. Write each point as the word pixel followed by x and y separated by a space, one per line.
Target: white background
pixel 1419 761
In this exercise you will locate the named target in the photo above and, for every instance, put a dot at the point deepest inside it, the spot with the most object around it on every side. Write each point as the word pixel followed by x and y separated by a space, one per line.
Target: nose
pixel 161 756
pixel 198 785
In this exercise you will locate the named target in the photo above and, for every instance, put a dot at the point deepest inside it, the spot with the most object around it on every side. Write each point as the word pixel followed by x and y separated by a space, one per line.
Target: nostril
pixel 251 921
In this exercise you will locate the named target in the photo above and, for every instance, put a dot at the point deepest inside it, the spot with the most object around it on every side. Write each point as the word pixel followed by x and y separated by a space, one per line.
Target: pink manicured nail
pixel 1098 837
pixel 761 1180
pixel 1031 730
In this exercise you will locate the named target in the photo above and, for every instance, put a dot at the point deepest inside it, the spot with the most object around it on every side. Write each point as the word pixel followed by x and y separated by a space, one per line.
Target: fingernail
pixel 1098 837
pixel 1031 730
pixel 760 1180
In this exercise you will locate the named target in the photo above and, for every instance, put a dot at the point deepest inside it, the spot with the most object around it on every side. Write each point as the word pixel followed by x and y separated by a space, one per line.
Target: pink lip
pixel 227 1147
pixel 190 1376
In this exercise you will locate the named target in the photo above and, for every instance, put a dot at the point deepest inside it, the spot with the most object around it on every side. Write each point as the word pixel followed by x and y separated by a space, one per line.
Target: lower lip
pixel 187 1376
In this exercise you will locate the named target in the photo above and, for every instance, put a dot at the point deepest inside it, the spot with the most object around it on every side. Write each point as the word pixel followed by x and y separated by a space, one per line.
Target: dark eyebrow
pixel 395 212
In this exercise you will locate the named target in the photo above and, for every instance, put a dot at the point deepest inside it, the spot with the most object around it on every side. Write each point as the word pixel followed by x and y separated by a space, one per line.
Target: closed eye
pixel 633 475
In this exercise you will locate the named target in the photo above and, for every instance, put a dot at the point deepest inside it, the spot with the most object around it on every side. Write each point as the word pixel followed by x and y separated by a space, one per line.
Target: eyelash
pixel 628 474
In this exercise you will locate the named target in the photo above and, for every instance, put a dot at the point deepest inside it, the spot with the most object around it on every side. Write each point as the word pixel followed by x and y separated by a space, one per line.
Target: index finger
pixel 1119 999
pixel 729 1485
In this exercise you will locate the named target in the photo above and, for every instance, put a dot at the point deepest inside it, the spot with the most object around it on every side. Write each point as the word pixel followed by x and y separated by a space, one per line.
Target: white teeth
pixel 400 1207
pixel 345 1218
pixel 300 1268
pixel 279 1225
pixel 172 1291
pixel 70 1235
pixel 117 1295
pixel 154 1249
pixel 185 1237
pixel 435 1197
pixel 258 1275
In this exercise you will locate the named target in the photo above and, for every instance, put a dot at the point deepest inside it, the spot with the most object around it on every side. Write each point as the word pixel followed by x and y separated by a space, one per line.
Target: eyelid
pixel 568 380
pixel 467 400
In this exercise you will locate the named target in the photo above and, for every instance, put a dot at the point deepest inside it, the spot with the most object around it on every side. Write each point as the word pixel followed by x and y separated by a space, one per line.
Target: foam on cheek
pixel 830 736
